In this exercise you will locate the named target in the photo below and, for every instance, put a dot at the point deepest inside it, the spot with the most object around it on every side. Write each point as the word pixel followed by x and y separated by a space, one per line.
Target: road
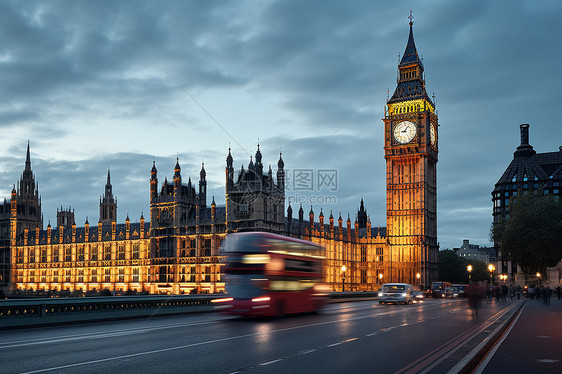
pixel 358 337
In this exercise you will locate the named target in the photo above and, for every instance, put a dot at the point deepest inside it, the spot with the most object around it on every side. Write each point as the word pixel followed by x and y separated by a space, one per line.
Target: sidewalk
pixel 533 345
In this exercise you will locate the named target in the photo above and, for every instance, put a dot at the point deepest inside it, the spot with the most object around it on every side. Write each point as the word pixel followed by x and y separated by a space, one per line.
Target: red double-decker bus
pixel 271 275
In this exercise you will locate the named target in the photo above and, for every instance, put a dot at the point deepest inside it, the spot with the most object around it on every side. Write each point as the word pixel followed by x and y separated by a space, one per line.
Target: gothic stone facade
pixel 178 251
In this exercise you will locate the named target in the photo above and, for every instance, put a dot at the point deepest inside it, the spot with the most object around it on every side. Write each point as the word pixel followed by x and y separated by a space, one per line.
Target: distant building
pixel 528 172
pixel 475 252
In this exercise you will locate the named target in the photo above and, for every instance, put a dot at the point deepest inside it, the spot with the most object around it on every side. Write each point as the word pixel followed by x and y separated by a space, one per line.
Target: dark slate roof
pixel 542 166
pixel 490 251
pixel 410 54
pixel 409 90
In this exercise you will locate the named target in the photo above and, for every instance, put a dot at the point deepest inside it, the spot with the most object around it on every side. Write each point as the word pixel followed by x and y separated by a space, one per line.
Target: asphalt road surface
pixel 351 337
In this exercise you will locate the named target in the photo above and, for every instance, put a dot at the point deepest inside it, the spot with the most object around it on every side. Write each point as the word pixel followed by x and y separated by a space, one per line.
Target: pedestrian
pixel 546 295
pixel 504 292
pixel 558 292
pixel 474 295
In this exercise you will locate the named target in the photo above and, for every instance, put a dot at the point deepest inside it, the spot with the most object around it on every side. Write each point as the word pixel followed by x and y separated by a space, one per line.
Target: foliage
pixel 479 270
pixel 532 234
pixel 453 268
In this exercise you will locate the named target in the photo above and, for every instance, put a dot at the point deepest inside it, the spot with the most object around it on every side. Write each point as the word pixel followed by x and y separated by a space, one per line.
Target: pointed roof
pixel 229 158
pixel 203 172
pixel 27 160
pixel 410 56
pixel 177 169
pixel 410 87
pixel 258 154
pixel 280 163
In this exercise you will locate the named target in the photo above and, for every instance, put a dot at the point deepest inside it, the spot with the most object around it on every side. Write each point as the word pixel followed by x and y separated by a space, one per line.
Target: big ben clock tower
pixel 411 149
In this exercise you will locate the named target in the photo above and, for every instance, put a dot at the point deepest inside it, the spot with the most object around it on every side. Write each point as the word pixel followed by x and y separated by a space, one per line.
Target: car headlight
pixel 380 294
pixel 404 295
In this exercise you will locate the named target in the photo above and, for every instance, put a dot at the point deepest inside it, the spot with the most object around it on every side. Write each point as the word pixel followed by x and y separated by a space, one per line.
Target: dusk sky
pixel 108 84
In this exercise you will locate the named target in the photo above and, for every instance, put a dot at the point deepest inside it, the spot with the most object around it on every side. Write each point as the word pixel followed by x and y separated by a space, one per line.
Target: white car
pixel 396 293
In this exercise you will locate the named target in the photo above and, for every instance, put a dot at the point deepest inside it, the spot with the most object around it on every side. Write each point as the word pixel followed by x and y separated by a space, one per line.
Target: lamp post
pixel 380 277
pixel 469 269
pixel 418 276
pixel 491 269
pixel 538 279
pixel 343 269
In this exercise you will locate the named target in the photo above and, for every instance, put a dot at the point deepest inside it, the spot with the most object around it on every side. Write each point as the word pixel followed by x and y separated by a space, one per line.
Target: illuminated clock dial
pixel 404 132
pixel 432 134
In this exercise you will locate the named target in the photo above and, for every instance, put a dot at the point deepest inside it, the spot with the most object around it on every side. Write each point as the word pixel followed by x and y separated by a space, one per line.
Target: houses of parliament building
pixel 177 251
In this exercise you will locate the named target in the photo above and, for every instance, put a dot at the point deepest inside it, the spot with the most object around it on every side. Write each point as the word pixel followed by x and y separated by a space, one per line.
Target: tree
pixel 532 234
pixel 479 270
pixel 452 268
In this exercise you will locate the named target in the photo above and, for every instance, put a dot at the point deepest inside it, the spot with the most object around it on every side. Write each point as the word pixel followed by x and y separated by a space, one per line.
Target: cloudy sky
pixel 115 84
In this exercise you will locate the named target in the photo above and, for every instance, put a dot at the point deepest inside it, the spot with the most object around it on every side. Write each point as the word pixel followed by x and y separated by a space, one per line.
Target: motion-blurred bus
pixel 271 275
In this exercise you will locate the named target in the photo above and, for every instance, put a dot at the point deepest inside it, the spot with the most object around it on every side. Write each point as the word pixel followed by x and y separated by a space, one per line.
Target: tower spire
pixel 410 54
pixel 27 159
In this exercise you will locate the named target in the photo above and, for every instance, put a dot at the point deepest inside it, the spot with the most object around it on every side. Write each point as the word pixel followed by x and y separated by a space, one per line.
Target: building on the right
pixel 528 172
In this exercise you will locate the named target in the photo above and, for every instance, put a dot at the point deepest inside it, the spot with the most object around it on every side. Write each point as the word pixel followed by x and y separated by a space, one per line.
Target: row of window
pixel 93 253
pixel 81 276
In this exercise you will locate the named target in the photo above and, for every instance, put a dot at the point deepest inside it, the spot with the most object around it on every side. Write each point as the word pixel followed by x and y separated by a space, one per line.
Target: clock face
pixel 432 134
pixel 404 132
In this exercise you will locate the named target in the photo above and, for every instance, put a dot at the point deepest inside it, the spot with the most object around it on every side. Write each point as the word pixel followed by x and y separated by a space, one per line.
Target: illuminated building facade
pixel 178 250
pixel 411 150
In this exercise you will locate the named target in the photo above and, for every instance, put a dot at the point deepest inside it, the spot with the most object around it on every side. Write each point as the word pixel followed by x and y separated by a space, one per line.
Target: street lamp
pixel 538 278
pixel 418 276
pixel 343 269
pixel 469 269
pixel 380 277
pixel 491 269
pixel 503 277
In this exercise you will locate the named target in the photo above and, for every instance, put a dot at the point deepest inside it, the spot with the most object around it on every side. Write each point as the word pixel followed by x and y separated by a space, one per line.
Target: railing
pixel 45 311
pixel 30 312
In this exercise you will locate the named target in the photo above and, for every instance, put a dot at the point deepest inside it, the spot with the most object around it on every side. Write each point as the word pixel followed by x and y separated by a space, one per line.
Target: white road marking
pixel 309 351
pixel 90 336
pixel 269 362
pixel 96 335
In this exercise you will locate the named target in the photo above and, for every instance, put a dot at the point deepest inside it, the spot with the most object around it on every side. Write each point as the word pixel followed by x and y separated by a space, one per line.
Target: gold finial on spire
pixel 411 18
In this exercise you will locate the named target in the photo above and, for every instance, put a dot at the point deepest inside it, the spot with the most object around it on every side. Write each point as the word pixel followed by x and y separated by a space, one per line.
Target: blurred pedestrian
pixel 474 294
pixel 503 292
pixel 546 295
pixel 558 292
